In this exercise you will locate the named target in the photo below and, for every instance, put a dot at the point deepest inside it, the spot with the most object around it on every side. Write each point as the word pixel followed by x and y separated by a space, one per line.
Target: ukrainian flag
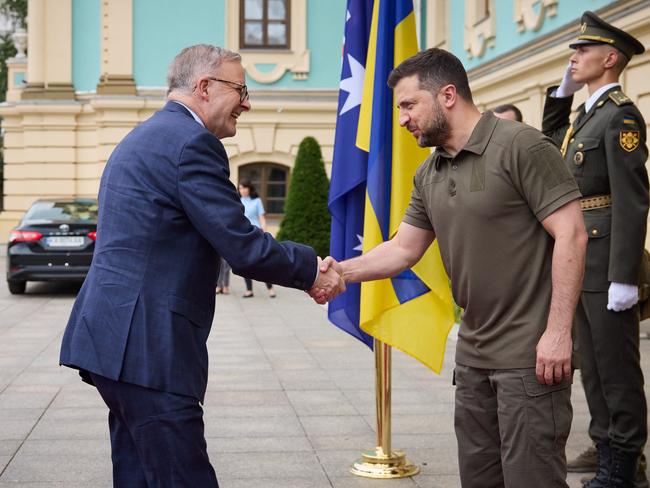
pixel 413 311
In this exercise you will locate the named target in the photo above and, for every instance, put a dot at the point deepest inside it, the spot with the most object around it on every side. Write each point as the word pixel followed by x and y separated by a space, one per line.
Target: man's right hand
pixel 568 87
pixel 329 283
pixel 330 262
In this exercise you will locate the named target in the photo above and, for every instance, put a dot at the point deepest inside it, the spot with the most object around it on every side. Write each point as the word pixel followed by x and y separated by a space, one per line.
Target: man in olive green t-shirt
pixel 506 213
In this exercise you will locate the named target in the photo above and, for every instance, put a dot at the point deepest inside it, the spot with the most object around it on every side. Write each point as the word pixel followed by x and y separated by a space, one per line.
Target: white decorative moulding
pixel 480 27
pixel 530 14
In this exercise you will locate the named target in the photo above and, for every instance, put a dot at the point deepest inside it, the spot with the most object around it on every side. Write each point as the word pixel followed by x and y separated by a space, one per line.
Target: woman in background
pixel 254 211
pixel 223 282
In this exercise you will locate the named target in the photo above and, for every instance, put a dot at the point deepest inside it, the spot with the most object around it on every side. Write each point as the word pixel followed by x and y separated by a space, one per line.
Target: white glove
pixel 621 296
pixel 568 87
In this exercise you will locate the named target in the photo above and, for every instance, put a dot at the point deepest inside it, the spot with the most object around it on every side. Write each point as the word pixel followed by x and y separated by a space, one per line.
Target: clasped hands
pixel 329 283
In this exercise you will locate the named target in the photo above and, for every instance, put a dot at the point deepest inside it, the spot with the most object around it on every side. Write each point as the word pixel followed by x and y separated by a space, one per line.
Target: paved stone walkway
pixel 290 401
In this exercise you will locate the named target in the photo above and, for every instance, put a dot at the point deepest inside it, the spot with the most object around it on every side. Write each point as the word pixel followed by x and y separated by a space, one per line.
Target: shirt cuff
pixel 317 271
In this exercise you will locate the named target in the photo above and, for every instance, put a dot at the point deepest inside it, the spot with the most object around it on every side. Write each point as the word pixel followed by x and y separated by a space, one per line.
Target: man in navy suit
pixel 167 212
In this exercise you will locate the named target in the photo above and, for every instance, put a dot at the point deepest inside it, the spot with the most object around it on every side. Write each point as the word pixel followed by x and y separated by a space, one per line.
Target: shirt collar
pixel 192 112
pixel 597 94
pixel 479 138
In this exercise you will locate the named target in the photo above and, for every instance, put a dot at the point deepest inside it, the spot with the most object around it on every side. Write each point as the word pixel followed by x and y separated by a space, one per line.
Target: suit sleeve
pixel 555 120
pixel 211 202
pixel 628 179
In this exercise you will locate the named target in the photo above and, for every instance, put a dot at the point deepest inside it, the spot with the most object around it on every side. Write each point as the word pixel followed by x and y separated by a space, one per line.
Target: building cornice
pixel 561 37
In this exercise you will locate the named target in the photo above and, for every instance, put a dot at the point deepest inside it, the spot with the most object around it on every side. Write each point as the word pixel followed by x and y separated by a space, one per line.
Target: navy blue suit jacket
pixel 167 211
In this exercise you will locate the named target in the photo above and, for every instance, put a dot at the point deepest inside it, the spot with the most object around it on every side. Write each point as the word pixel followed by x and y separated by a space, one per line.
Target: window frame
pixel 262 186
pixel 295 60
pixel 265 24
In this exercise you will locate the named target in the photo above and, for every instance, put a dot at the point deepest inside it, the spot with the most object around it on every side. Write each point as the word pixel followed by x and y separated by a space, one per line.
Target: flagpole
pixel 383 462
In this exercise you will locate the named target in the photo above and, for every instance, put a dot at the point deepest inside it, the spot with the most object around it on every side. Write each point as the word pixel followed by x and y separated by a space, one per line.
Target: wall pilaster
pixel 49 65
pixel 117 49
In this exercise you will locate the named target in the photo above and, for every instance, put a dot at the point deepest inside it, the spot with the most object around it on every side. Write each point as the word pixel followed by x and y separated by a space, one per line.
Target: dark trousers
pixel 611 373
pixel 249 284
pixel 511 430
pixel 157 438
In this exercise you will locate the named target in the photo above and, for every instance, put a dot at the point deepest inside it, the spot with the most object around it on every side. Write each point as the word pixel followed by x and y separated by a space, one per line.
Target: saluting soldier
pixel 605 148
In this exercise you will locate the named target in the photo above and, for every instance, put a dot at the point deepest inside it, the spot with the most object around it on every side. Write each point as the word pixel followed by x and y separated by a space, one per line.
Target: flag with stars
pixel 376 158
pixel 349 166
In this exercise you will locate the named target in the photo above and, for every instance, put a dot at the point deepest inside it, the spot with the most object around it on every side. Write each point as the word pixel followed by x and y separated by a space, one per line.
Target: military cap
pixel 594 30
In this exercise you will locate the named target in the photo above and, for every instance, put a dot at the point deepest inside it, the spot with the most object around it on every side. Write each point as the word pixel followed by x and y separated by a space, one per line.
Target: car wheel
pixel 17 287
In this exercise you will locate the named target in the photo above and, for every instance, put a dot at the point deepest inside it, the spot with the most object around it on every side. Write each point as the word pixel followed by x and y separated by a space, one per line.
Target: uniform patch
pixel 629 121
pixel 545 156
pixel 629 139
pixel 620 98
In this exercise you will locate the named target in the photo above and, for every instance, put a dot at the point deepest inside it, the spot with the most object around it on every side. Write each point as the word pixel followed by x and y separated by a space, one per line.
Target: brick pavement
pixel 290 401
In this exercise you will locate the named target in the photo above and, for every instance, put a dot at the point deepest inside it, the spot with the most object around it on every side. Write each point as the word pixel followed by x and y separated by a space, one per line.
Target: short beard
pixel 438 131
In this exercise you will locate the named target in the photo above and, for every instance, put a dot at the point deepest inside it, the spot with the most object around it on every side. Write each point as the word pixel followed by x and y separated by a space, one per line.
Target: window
pixel 271 182
pixel 266 64
pixel 264 24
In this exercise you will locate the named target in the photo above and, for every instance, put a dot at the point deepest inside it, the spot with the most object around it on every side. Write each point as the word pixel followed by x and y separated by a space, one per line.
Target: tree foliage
pixel 306 217
pixel 7 50
pixel 16 10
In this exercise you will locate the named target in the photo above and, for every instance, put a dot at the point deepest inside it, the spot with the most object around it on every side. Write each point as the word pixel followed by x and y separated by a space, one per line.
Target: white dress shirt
pixel 597 94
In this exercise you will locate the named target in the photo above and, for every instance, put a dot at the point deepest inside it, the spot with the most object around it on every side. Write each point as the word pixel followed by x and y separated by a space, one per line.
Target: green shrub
pixel 306 217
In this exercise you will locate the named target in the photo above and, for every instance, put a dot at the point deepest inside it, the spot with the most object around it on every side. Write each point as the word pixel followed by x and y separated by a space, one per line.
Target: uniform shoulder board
pixel 620 98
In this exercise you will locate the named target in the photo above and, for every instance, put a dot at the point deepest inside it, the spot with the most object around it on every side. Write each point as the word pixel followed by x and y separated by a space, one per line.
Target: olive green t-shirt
pixel 486 206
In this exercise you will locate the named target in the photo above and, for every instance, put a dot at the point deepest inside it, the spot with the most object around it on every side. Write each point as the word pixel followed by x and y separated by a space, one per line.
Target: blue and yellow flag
pixel 413 311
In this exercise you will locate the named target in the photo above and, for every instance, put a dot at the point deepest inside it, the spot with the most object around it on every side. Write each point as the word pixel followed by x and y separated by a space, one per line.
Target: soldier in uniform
pixel 605 149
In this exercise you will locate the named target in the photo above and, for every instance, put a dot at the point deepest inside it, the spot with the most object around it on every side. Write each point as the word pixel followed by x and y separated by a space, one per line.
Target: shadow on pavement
pixel 52 288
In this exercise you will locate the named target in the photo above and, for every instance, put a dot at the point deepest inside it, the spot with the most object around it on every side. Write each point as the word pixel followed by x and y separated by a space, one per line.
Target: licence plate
pixel 65 241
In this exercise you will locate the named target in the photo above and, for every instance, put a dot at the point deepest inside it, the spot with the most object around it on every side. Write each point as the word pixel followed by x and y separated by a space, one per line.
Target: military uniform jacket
pixel 606 153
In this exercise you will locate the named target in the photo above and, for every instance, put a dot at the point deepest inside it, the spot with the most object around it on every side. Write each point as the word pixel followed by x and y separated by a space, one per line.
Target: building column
pixel 36 43
pixel 49 64
pixel 117 49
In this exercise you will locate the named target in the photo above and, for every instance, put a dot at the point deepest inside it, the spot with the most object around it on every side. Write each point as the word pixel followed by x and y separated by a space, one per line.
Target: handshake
pixel 329 282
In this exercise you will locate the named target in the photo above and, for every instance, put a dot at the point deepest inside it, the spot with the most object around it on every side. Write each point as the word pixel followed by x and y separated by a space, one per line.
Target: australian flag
pixel 350 166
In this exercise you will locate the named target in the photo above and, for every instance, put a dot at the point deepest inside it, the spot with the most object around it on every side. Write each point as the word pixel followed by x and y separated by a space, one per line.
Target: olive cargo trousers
pixel 511 430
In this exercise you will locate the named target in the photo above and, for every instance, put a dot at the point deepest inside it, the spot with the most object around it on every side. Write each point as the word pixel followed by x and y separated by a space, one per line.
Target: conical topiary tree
pixel 306 217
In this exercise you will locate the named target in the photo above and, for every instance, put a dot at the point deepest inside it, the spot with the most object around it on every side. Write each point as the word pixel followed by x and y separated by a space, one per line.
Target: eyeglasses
pixel 241 88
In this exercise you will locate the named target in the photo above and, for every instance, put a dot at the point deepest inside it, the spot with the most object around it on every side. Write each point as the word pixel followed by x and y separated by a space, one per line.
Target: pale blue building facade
pixel 96 68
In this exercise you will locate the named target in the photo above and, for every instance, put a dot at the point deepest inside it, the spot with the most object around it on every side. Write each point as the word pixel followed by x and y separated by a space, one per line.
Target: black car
pixel 55 240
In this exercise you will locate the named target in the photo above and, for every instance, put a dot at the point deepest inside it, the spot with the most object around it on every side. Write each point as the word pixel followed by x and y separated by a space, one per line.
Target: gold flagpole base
pixel 376 464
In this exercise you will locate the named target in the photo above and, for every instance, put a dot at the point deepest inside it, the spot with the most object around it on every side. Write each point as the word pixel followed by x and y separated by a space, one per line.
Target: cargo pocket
pixel 598 224
pixel 549 414
pixel 584 153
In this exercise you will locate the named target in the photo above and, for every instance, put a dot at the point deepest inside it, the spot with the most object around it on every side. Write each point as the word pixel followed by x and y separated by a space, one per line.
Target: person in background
pixel 605 150
pixel 223 282
pixel 508 111
pixel 254 211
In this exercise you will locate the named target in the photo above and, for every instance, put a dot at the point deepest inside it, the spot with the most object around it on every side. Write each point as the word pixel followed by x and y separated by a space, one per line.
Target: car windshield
pixel 78 211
